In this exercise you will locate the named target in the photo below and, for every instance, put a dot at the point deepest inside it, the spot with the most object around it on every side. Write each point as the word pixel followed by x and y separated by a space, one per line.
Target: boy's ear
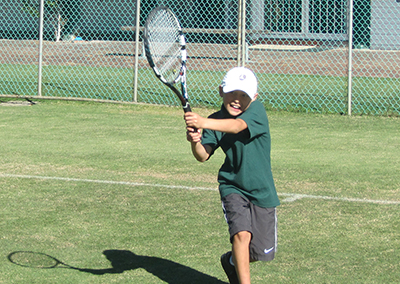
pixel 221 92
pixel 255 97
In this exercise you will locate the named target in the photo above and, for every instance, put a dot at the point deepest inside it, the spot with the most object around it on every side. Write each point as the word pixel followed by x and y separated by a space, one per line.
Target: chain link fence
pixel 298 48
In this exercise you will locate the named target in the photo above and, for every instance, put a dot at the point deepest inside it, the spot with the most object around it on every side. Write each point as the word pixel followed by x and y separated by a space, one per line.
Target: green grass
pixel 163 234
pixel 300 93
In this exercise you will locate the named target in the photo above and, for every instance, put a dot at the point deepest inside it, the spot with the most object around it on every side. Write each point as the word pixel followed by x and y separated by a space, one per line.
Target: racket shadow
pixel 124 260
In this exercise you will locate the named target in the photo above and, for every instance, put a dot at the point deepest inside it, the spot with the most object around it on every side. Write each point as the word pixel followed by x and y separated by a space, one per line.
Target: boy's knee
pixel 242 237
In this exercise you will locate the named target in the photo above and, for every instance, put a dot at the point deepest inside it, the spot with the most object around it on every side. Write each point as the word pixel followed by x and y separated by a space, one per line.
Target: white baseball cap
pixel 240 79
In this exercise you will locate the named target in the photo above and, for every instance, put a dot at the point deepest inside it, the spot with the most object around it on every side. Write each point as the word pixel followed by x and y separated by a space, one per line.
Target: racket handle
pixel 186 108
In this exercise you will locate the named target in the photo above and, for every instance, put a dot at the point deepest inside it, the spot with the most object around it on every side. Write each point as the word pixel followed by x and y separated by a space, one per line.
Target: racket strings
pixel 163 35
pixel 32 259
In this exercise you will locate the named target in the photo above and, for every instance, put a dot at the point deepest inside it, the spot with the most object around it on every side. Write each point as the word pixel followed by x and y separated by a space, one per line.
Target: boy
pixel 246 185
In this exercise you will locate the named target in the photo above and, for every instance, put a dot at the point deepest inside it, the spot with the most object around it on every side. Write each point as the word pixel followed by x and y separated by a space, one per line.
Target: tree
pixel 61 14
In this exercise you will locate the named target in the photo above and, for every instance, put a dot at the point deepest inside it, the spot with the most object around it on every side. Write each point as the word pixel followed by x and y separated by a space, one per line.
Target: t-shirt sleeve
pixel 256 119
pixel 209 137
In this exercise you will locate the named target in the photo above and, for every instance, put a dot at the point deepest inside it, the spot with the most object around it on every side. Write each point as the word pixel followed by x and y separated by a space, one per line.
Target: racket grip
pixel 186 108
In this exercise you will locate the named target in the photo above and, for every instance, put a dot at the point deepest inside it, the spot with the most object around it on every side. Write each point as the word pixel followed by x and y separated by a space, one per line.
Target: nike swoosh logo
pixel 267 251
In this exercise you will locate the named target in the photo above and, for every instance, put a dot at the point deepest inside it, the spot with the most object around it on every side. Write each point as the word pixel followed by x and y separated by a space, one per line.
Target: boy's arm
pixel 200 152
pixel 228 125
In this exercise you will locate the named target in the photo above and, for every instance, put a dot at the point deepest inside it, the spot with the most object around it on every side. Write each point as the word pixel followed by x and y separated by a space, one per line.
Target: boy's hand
pixel 192 135
pixel 194 124
pixel 194 120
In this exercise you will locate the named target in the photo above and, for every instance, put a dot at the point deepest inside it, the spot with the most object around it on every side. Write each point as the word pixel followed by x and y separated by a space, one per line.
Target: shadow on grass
pixel 122 260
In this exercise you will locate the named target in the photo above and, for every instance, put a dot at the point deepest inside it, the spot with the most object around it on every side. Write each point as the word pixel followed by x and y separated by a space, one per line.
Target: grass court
pixel 112 190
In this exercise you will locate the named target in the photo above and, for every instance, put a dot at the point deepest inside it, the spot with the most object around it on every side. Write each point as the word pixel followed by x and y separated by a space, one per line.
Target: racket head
pixel 164 42
pixel 33 259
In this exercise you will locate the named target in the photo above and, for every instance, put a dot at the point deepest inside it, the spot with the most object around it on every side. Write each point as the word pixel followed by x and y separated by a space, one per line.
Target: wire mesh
pixel 304 53
pixel 298 48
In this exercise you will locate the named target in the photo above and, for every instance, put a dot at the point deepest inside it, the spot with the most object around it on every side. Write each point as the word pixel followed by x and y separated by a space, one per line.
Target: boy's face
pixel 236 102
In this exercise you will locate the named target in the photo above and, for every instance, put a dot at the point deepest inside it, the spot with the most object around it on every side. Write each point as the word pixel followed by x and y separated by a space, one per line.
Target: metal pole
pixel 40 59
pixel 239 40
pixel 244 46
pixel 350 59
pixel 137 32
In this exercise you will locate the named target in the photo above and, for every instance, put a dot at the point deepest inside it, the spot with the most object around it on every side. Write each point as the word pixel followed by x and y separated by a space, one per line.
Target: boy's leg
pixel 253 234
pixel 241 256
pixel 238 215
pixel 229 268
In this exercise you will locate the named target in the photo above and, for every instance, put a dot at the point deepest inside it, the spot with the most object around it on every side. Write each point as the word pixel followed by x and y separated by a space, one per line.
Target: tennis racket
pixel 36 260
pixel 165 49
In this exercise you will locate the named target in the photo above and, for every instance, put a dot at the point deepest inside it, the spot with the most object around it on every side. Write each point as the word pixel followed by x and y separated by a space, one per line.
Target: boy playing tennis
pixel 246 185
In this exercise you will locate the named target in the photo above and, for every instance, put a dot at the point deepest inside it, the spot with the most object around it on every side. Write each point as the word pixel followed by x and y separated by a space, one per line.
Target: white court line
pixel 290 196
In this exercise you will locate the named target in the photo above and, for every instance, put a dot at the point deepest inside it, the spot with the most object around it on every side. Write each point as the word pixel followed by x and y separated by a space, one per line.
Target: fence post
pixel 241 53
pixel 40 60
pixel 243 43
pixel 239 37
pixel 350 59
pixel 137 31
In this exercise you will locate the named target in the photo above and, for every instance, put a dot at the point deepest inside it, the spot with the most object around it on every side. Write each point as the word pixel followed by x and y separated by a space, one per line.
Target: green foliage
pixel 63 15
pixel 32 7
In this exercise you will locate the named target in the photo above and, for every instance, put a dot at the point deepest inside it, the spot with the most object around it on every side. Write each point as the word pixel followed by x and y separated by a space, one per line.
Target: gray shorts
pixel 242 215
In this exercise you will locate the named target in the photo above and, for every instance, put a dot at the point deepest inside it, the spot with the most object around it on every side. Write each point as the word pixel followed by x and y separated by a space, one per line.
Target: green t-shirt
pixel 247 166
